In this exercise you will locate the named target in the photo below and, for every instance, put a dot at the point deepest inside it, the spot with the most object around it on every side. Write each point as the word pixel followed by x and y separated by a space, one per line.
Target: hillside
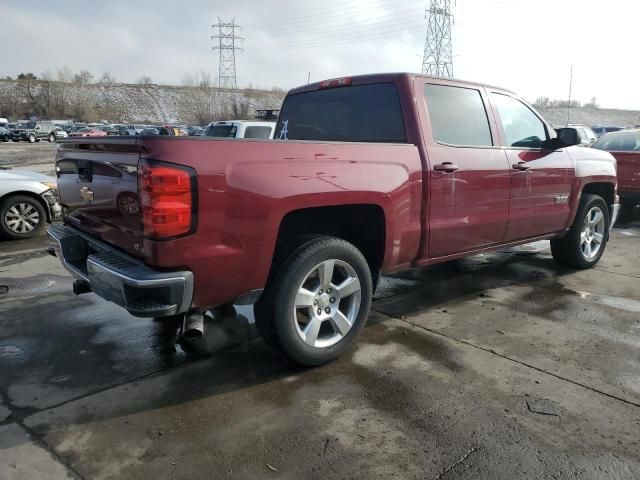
pixel 134 103
pixel 121 103
pixel 591 116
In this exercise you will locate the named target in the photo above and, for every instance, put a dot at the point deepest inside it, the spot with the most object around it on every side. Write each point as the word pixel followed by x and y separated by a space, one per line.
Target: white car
pixel 239 129
pixel 60 133
pixel 28 200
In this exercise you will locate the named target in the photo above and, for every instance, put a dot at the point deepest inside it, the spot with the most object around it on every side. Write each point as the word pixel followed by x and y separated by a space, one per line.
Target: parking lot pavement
pixel 500 366
pixel 37 157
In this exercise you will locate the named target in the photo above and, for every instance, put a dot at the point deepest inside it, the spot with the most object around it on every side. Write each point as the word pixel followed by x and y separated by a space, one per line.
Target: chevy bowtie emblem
pixel 86 194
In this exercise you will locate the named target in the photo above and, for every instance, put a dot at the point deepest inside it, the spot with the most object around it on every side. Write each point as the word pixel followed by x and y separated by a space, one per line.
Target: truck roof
pixel 391 77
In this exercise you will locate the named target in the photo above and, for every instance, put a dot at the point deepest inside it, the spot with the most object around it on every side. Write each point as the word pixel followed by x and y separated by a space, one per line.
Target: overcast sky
pixel 523 45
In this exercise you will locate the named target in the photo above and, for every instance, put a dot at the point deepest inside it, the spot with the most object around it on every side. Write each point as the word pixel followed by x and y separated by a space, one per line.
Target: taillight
pixel 336 82
pixel 167 199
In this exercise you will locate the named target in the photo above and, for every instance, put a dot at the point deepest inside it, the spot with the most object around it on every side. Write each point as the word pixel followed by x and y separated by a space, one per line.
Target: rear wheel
pixel 21 217
pixel 317 302
pixel 587 238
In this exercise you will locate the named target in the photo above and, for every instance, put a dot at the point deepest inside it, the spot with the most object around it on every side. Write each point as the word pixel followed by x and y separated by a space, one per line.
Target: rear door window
pixel 458 116
pixel 358 113
pixel 67 167
pixel 103 170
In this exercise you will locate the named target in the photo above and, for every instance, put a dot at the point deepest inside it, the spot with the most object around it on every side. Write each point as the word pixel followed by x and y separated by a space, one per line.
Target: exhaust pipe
pixel 193 326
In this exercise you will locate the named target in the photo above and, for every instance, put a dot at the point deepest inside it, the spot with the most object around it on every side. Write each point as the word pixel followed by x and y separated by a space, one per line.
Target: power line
pixel 325 13
pixel 227 47
pixel 437 59
pixel 344 40
pixel 348 27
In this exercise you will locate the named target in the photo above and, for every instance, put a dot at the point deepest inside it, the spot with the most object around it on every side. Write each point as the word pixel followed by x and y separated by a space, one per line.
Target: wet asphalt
pixel 500 366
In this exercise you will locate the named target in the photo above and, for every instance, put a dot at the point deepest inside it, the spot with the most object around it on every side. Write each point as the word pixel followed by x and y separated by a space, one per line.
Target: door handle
pixel 446 167
pixel 521 166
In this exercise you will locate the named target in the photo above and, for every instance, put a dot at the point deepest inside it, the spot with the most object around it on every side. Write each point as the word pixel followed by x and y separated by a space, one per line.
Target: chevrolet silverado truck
pixel 366 175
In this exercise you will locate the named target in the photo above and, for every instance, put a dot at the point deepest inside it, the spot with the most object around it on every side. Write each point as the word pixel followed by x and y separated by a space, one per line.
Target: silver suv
pixel 34 132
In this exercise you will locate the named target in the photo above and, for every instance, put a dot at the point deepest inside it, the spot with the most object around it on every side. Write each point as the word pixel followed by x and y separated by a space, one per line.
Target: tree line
pixel 83 97
pixel 548 102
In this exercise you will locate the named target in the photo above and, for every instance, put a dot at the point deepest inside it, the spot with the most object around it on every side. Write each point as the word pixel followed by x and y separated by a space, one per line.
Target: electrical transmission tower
pixel 226 36
pixel 438 59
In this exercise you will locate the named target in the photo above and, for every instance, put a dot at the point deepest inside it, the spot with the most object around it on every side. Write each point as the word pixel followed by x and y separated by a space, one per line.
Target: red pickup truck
pixel 624 145
pixel 367 175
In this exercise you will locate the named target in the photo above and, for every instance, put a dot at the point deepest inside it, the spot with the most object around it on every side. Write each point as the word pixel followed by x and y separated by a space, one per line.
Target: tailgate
pixel 98 185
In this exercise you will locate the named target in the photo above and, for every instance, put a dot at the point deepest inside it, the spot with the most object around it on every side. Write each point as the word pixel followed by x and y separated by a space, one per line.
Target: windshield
pixel 619 142
pixel 220 131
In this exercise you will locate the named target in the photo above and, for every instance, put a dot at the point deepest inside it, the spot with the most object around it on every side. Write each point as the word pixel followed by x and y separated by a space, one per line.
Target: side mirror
pixel 567 137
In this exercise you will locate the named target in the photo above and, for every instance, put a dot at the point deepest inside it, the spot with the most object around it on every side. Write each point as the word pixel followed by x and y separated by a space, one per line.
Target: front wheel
pixel 52 137
pixel 587 238
pixel 31 138
pixel 317 302
pixel 21 217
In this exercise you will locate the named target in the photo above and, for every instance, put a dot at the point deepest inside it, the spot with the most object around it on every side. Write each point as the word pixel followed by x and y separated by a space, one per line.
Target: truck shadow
pixel 239 360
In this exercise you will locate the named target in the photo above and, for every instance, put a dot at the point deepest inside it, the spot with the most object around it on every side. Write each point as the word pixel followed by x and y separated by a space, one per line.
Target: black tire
pixel 6 230
pixel 31 138
pixel 263 309
pixel 52 137
pixel 568 249
pixel 274 312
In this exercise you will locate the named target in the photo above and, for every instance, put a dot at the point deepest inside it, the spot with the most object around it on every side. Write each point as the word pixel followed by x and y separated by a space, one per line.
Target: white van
pixel 240 129
pixel 4 122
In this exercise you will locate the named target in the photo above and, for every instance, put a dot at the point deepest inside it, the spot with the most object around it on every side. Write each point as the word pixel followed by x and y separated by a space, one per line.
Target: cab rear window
pixel 220 131
pixel 360 113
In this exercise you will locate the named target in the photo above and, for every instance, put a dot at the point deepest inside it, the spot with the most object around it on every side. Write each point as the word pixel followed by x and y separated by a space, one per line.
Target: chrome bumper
pixel 119 278
pixel 614 215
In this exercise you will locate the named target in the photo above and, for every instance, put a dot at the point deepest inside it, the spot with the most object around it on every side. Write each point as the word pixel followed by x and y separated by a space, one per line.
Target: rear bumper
pixel 119 278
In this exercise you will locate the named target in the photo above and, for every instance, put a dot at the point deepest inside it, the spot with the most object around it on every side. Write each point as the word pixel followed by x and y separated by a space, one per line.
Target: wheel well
pixel 35 196
pixel 602 189
pixel 361 225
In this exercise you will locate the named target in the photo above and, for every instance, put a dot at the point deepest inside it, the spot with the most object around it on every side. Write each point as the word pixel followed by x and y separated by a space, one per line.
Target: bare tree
pixel 84 77
pixel 107 79
pixel 144 80
pixel 64 77
pixel 27 86
pixel 202 98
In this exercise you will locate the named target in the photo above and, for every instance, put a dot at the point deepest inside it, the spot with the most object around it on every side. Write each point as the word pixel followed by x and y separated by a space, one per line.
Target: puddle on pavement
pixel 621 303
pixel 10 351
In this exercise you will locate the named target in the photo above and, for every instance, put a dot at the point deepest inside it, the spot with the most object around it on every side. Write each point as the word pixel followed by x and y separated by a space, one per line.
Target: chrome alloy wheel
pixel 592 234
pixel 22 218
pixel 327 303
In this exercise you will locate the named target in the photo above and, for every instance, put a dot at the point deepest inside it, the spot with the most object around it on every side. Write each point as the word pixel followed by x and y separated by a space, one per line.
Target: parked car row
pixel 33 132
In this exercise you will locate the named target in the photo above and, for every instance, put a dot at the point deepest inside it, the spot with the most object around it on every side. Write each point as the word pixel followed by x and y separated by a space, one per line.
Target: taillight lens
pixel 167 200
